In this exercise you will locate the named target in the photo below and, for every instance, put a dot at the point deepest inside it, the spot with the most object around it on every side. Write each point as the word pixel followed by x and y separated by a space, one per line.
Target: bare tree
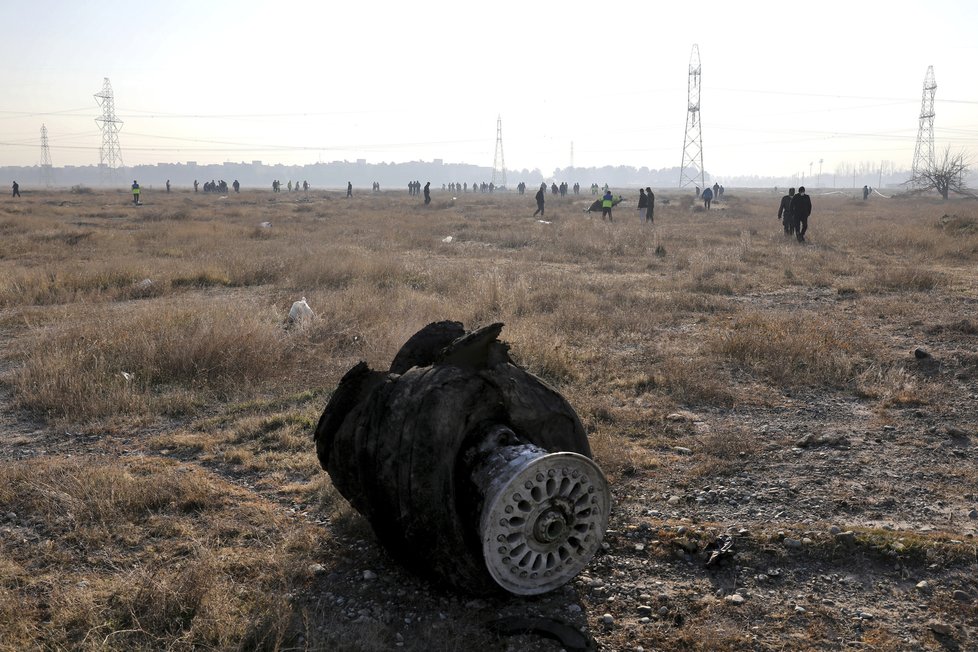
pixel 945 174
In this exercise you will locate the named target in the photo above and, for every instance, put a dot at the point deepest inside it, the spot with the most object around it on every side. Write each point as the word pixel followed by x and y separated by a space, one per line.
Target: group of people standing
pixel 646 203
pixel 794 211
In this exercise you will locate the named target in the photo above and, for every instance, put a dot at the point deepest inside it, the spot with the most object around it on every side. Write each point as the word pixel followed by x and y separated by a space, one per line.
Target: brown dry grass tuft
pixel 795 349
pixel 141 555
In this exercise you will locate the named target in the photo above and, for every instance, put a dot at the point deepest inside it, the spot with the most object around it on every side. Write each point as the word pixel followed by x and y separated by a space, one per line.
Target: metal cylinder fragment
pixel 469 469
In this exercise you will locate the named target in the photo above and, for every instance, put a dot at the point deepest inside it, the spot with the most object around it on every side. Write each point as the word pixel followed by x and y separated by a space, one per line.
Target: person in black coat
pixel 784 212
pixel 427 193
pixel 801 208
pixel 540 197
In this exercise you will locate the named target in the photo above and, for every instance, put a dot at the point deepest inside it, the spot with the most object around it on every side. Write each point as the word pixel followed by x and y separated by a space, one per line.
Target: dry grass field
pixel 159 487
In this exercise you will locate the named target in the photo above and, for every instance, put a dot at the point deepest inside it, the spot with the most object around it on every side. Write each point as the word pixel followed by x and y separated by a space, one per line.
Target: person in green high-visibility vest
pixel 606 203
pixel 135 192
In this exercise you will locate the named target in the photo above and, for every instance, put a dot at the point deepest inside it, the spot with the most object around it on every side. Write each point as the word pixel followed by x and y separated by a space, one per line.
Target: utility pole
pixel 692 166
pixel 47 170
pixel 923 156
pixel 819 183
pixel 110 154
pixel 498 164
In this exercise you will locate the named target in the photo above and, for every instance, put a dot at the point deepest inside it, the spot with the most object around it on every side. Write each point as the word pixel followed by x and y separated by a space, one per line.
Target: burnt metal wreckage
pixel 470 470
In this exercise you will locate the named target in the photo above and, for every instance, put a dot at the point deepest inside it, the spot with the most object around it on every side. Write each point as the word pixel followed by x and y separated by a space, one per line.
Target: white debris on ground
pixel 300 312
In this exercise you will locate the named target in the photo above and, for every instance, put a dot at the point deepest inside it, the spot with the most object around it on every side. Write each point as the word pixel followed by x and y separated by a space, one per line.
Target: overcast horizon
pixel 782 90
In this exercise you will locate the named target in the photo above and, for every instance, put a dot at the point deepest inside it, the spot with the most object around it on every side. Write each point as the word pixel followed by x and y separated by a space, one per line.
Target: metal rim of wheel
pixel 545 522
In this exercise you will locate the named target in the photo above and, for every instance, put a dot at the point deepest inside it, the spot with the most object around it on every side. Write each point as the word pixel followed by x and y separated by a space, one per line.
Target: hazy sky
pixel 784 84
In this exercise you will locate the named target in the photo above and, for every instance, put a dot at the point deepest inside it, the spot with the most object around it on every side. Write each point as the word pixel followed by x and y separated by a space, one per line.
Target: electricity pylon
pixel 692 167
pixel 498 164
pixel 923 155
pixel 110 154
pixel 47 170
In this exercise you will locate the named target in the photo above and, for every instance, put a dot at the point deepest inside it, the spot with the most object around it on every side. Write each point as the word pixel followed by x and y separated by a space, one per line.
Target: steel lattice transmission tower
pixel 923 155
pixel 498 164
pixel 110 154
pixel 692 168
pixel 47 170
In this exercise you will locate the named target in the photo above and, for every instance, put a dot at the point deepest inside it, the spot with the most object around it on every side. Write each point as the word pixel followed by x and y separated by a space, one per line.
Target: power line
pixel 692 165
pixel 923 156
pixel 110 154
pixel 498 163
pixel 47 170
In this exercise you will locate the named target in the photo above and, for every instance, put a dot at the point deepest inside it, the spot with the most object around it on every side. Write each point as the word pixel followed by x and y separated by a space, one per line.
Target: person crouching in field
pixel 784 212
pixel 801 208
pixel 707 198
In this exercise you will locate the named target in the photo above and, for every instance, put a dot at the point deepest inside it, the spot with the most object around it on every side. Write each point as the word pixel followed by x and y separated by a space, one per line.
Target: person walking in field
pixel 16 190
pixel 650 208
pixel 168 186
pixel 135 192
pixel 541 197
pixel 427 193
pixel 784 212
pixel 607 201
pixel 349 189
pixel 707 197
pixel 801 208
pixel 643 204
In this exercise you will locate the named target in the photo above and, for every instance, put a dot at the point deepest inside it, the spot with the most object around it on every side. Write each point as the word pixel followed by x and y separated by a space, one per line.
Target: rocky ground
pixel 830 530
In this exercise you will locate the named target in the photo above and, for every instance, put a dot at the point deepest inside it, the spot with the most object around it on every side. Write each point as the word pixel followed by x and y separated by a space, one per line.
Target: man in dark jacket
pixel 784 212
pixel 540 197
pixel 650 209
pixel 801 208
